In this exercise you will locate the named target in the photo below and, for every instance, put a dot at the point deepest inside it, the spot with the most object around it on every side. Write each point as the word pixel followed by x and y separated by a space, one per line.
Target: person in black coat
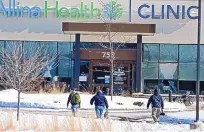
pixel 100 104
pixel 157 104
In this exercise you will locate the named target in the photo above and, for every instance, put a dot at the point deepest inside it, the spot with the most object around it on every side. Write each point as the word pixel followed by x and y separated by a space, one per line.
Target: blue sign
pixel 181 12
pixel 107 79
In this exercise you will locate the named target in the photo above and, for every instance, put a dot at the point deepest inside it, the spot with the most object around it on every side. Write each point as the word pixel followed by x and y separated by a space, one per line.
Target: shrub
pixel 138 103
pixel 53 122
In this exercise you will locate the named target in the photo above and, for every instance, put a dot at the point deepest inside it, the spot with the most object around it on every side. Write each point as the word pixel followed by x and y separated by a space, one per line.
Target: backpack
pixel 75 98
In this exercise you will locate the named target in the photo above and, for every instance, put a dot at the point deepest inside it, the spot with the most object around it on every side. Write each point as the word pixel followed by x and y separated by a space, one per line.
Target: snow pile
pixel 8 98
pixel 24 105
pixel 10 95
pixel 12 91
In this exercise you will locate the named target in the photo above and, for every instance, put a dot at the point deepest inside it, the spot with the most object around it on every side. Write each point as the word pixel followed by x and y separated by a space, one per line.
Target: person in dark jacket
pixel 157 103
pixel 74 105
pixel 100 103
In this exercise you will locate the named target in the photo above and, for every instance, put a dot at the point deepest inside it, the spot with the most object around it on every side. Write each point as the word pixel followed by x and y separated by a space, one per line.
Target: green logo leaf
pixel 117 9
pixel 113 10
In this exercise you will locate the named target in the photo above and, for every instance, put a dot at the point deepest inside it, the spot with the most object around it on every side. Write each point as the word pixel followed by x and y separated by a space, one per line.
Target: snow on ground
pixel 53 122
pixel 8 98
pixel 185 117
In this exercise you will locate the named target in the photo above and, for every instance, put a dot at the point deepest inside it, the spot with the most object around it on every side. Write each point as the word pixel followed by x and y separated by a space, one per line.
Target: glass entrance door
pixel 101 74
pixel 121 78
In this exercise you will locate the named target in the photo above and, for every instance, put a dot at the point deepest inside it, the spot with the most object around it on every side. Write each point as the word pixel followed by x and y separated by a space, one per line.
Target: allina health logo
pixel 113 10
pixel 84 11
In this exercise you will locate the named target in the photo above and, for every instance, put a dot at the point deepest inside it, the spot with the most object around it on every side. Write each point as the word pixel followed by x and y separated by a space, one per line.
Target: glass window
pixel 151 52
pixel 101 75
pixel 84 72
pixel 187 53
pixel 168 70
pixel 70 72
pixel 168 53
pixel 202 53
pixel 84 67
pixel 202 87
pixel 64 67
pixel 187 71
pixel 1 48
pixel 1 45
pixel 185 86
pixel 150 85
pixel 172 85
pixel 65 50
pixel 150 70
pixel 10 45
pixel 88 45
pixel 50 70
pixel 31 48
pixel 202 71
pixel 50 47
pixel 120 76
pixel 53 72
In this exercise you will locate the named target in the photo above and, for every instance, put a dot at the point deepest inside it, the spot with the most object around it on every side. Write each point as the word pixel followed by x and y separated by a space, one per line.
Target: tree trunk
pixel 111 80
pixel 111 73
pixel 18 110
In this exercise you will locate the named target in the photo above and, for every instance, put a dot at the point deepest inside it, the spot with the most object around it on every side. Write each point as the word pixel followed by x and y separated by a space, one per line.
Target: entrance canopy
pixel 126 29
pixel 119 30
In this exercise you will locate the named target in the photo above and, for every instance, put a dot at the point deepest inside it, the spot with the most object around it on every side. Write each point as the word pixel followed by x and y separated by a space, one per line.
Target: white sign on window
pixel 82 78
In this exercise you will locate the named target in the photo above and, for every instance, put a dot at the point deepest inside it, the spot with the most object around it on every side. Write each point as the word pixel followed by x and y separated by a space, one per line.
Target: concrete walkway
pixel 122 115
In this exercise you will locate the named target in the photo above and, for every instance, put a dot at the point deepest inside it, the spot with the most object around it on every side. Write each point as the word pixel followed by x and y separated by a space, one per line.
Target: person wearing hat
pixel 100 104
pixel 157 104
pixel 75 100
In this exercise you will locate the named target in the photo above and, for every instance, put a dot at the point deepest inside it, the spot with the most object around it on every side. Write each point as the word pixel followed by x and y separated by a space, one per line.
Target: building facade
pixel 168 57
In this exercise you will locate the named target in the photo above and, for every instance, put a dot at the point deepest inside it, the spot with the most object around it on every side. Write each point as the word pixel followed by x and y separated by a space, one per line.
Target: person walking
pixel 100 104
pixel 75 100
pixel 157 104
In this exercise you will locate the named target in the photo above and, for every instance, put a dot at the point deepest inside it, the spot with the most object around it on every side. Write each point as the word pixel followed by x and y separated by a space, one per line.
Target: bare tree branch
pixel 112 34
pixel 23 64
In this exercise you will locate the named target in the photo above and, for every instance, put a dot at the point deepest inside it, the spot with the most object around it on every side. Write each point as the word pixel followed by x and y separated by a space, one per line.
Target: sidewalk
pixel 91 110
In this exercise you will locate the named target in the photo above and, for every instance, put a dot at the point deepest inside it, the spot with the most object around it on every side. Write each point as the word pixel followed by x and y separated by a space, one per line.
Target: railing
pixel 165 96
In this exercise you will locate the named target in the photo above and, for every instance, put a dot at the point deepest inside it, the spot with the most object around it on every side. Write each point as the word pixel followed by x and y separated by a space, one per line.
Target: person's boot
pixel 158 120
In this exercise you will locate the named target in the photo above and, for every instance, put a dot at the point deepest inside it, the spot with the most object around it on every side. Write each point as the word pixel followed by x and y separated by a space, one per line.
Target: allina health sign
pixel 88 11
pixel 13 9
